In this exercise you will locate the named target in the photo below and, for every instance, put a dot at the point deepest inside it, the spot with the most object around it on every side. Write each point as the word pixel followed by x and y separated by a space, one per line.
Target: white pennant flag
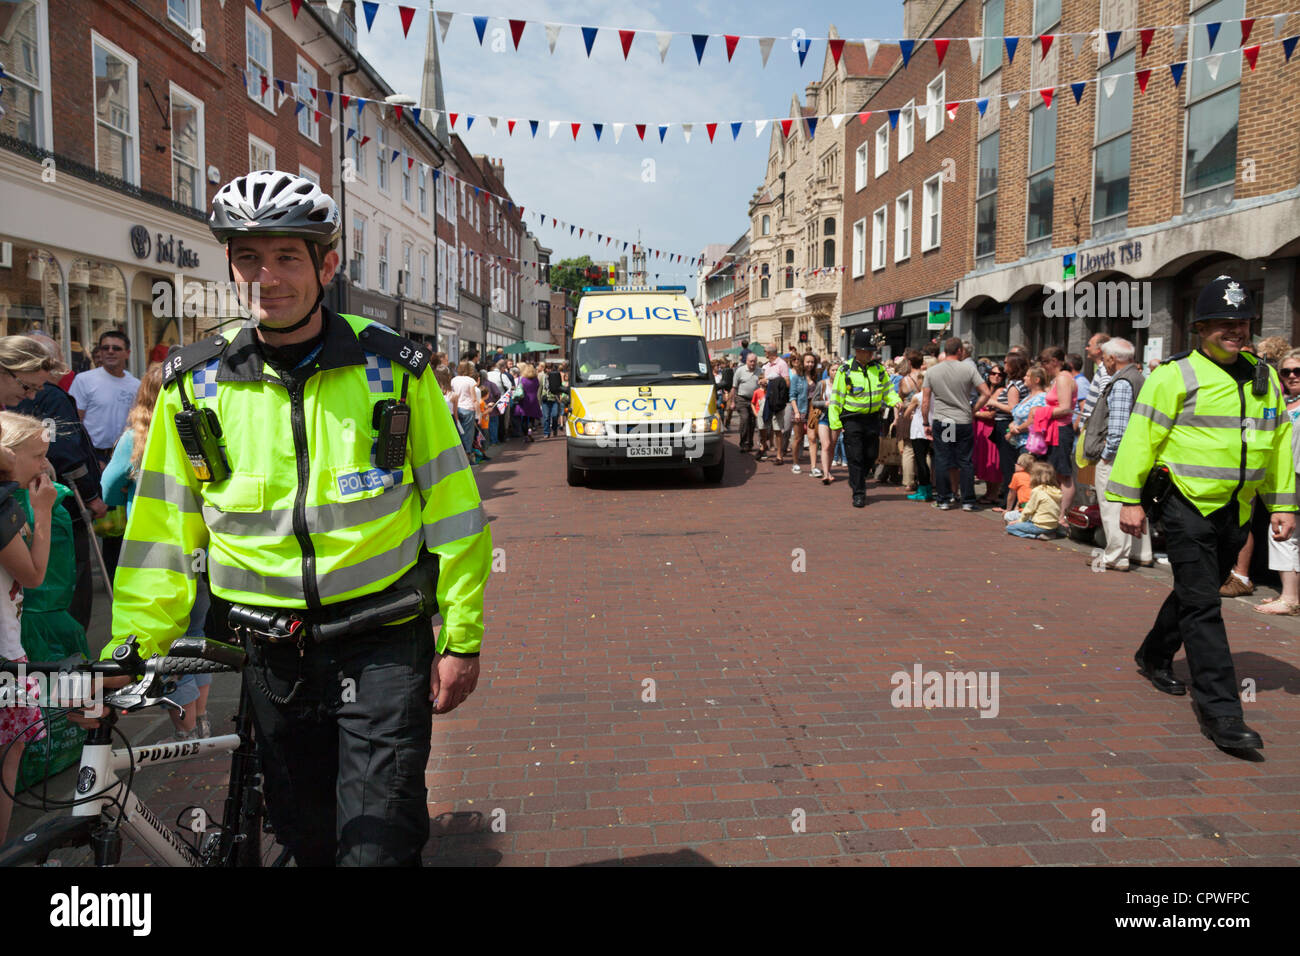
pixel 1279 21
pixel 663 40
pixel 444 21
pixel 552 34
pixel 294 88
pixel 765 47
pixel 837 119
pixel 434 116
pixel 334 124
pixel 686 130
pixel 976 44
pixel 1180 31
pixel 923 113
pixel 759 126
pixel 618 132
pixel 1108 84
pixel 492 121
pixel 554 125
pixel 334 5
pixel 1013 100
pixel 1076 43
pixel 1212 64
pixel 223 3
pixel 872 46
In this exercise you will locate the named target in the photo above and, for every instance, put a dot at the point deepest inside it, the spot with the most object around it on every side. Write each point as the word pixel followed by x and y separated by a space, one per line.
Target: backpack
pixel 778 394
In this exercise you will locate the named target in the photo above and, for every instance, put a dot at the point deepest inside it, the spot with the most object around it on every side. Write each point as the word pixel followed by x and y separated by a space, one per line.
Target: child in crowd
pixel 1041 514
pixel 1018 487
pixel 24 556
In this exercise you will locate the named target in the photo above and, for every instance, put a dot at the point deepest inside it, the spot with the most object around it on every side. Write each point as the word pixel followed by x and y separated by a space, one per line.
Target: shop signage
pixel 169 249
pixel 889 311
pixel 1123 254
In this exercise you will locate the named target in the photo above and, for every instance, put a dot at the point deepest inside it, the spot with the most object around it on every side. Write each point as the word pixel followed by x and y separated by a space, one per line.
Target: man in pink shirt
pixel 775 366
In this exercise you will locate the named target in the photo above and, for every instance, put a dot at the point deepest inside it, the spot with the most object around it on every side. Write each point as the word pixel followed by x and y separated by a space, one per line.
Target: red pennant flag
pixel 312 89
pixel 1143 76
pixel 454 117
pixel 837 47
pixel 407 14
pixel 576 127
pixel 863 117
pixel 732 40
pixel 552 222
pixel 1246 25
pixel 1045 44
pixel 296 5
pixel 712 128
pixel 486 194
pixel 625 38
pixel 510 127
pixel 265 84
pixel 1046 94
pixel 398 110
pixel 952 109
pixel 410 161
pixel 517 30
pixel 1251 53
pixel 941 47
pixel 608 239
pixel 579 233
pixel 364 140
pixel 640 130
pixel 318 115
pixel 1147 35
pixel 344 100
pixel 785 127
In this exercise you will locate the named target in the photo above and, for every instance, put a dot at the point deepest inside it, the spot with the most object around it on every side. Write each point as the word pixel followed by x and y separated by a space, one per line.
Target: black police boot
pixel 1161 678
pixel 1230 733
pixel 859 501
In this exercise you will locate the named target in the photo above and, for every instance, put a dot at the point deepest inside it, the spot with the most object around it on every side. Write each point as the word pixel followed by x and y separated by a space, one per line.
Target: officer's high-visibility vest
pixel 306 518
pixel 1217 437
pixel 860 391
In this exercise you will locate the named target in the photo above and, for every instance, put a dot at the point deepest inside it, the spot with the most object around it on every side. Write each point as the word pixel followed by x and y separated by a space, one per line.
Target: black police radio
pixel 392 419
pixel 200 434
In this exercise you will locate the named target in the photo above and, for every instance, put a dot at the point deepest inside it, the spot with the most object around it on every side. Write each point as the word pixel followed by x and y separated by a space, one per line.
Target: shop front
pixel 419 324
pixel 371 305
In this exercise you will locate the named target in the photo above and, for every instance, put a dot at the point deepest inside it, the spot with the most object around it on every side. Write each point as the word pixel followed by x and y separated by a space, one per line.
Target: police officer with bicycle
pixel 309 466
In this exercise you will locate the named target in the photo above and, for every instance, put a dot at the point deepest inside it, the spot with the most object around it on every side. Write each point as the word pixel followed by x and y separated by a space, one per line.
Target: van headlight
pixel 710 424
pixel 585 427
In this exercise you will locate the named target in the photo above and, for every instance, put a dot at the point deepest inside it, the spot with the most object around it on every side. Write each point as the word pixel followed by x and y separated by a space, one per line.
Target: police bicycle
pixel 104 807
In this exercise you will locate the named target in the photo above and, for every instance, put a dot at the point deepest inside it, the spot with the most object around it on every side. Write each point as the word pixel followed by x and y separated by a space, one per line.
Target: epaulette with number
pixel 383 341
pixel 182 359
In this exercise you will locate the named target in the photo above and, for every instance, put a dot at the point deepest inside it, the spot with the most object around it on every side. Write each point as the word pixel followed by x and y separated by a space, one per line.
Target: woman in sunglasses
pixel 1284 556
pixel 988 461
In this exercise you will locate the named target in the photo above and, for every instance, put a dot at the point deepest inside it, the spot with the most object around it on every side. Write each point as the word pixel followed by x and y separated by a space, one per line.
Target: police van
pixel 641 389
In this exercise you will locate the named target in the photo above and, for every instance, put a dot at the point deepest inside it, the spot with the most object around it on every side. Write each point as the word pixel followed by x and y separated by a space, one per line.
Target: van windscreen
pixel 640 359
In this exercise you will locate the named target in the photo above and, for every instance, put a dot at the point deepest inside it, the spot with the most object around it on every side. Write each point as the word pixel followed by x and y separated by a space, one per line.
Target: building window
pixel 879 231
pixel 767 225
pixel 424 275
pixel 117 150
pixel 1042 172
pixel 828 253
pixel 383 259
pixel 311 174
pixel 307 124
pixel 406 179
pixel 187 149
pixel 1212 104
pixel 859 248
pixel 24 50
pixel 359 151
pixel 424 190
pixel 406 268
pixel 986 197
pixel 261 154
pixel 934 95
pixel 882 149
pixel 906 129
pixel 257 66
pixel 991 58
pixel 1111 157
pixel 1047 13
pixel 789 269
pixel 931 212
pixel 186 14
pixel 382 159
pixel 903 226
pixel 860 168
pixel 359 250
pixel 763 287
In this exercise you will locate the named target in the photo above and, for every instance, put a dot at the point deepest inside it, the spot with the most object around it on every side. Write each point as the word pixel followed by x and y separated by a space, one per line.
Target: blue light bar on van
pixel 634 288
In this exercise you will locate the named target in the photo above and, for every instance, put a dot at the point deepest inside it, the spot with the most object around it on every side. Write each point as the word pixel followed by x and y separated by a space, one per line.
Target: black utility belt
pixel 290 626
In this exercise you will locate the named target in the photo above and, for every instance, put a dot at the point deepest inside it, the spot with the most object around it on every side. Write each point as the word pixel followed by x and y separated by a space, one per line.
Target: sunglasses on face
pixel 1294 370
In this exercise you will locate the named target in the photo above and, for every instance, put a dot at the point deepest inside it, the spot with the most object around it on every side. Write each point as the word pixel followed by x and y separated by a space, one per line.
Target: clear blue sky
pixel 699 192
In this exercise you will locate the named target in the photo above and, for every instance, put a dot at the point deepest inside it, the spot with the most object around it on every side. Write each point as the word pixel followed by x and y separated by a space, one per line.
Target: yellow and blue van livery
pixel 641 388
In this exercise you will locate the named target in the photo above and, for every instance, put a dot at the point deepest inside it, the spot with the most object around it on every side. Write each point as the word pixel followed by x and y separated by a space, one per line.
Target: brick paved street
pixel 773 689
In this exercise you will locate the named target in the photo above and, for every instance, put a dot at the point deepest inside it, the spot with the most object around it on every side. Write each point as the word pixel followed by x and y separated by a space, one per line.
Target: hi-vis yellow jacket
pixel 860 390
pixel 1218 438
pixel 305 519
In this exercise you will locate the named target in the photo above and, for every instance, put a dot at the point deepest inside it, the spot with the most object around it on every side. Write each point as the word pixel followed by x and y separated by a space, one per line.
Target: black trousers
pixel 343 763
pixel 861 448
pixel 956 452
pixel 1202 549
pixel 746 409
pixel 921 454
pixel 83 591
pixel 1007 452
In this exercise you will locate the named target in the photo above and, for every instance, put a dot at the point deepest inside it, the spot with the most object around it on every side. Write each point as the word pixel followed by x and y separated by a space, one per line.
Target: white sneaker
pixel 816 473
pixel 795 469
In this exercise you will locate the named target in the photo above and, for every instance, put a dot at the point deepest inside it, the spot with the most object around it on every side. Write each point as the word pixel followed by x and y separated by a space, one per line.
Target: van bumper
pixel 590 454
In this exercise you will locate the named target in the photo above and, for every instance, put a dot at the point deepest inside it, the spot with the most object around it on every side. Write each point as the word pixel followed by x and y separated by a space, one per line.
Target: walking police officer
pixel 1215 418
pixel 312 468
pixel 858 397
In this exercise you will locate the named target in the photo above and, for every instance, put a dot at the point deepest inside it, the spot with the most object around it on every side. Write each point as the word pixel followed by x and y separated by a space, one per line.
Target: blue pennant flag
pixel 259 6
pixel 1011 43
pixel 370 10
pixel 279 85
pixel 1077 90
pixel 905 47
pixel 804 45
pixel 1213 30
pixel 329 100
pixel 1112 41
pixel 469 121
pixel 893 119
pixel 699 39
pixel 436 173
pixel 598 127
pixel 663 131
pixel 589 37
pixel 351 133
pixel 361 102
pixel 533 125
pixel 982 105
pixel 480 24
pixel 298 108
pixel 812 126
pixel 1288 46
pixel 1177 70
pixel 735 130
pixel 625 247
pixel 396 153
pixel 415 111
pixel 477 192
pixel 571 228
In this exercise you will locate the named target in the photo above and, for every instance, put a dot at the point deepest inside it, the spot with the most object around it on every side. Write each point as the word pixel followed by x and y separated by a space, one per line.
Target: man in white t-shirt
pixel 105 395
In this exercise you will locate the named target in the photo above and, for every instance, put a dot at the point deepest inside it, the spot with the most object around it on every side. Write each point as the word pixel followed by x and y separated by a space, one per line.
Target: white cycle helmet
pixel 269 202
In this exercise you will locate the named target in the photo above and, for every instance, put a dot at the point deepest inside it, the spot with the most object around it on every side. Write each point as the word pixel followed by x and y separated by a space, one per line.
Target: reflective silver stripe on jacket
pixel 165 488
pixel 155 556
pixel 321 519
pixel 1210 471
pixel 1157 416
pixel 447 462
pixel 453 528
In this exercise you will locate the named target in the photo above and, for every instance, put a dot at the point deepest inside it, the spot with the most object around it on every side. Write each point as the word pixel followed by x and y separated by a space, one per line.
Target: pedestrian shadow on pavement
pixel 464 838
pixel 1267 672
pixel 679 858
